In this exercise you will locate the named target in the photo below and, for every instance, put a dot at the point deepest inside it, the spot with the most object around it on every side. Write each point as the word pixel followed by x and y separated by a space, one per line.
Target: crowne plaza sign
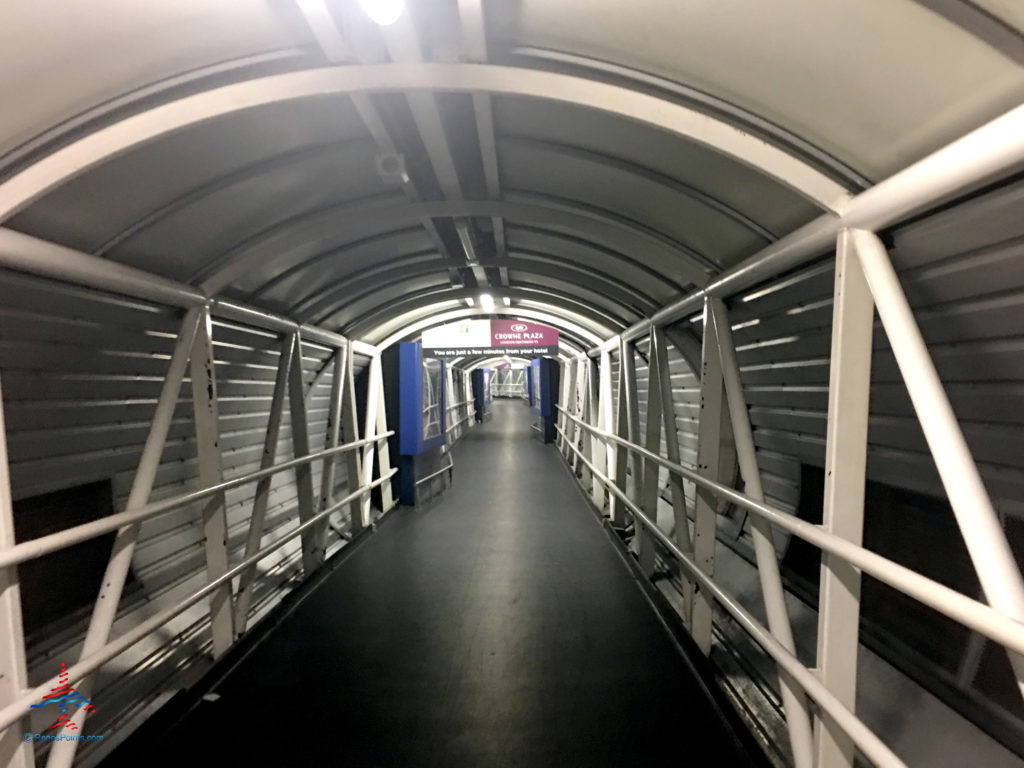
pixel 469 338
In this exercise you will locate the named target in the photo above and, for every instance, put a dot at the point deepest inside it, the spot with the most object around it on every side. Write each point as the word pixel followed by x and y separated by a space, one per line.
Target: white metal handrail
pixel 865 739
pixel 29 550
pixel 982 618
pixel 21 706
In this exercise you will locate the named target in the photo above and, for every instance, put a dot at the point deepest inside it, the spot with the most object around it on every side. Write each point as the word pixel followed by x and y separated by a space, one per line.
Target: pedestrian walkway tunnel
pixel 493 382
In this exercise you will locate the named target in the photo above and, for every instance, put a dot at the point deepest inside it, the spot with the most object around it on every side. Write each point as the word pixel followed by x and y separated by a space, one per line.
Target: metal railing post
pixel 214 509
pixel 105 610
pixel 333 440
pixel 261 496
pixel 845 467
pixel 651 488
pixel 15 752
pixel 350 430
pixel 986 542
pixel 373 392
pixel 710 428
pixel 600 407
pixel 797 719
pixel 312 555
pixel 627 360
pixel 597 453
pixel 681 520
pixel 383 449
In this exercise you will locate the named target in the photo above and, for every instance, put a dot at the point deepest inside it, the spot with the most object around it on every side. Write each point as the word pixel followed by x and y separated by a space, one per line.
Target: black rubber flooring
pixel 497 627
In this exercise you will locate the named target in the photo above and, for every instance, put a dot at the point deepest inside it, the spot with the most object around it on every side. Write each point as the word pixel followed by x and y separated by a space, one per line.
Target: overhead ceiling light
pixel 507 301
pixel 469 301
pixel 384 12
pixel 486 302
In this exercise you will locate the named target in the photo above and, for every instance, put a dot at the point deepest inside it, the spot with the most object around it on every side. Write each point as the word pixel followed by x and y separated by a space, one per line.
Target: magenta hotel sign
pixel 470 338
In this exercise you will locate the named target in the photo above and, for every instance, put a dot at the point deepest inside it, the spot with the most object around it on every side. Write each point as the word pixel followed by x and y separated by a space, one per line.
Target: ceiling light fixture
pixel 486 302
pixel 469 301
pixel 384 12
pixel 507 301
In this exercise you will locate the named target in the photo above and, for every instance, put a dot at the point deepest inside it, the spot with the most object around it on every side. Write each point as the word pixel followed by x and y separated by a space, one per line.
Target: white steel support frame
pixel 843 512
pixel 567 384
pixel 660 386
pixel 627 426
pixel 350 431
pixel 627 359
pixel 600 390
pixel 596 452
pixel 328 472
pixel 797 719
pixel 583 411
pixel 979 524
pixel 375 423
pixel 261 497
pixel 105 610
pixel 214 509
pixel 15 752
pixel 589 406
pixel 312 555
pixel 710 428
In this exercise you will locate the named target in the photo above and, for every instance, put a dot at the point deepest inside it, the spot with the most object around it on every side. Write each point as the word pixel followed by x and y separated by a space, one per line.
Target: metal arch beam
pixel 428 296
pixel 341 253
pixel 985 26
pixel 311 306
pixel 634 264
pixel 603 215
pixel 634 169
pixel 73 159
pixel 237 175
pixel 373 281
pixel 306 233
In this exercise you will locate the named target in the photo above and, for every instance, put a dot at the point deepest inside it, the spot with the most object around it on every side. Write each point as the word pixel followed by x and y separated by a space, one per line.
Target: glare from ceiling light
pixel 469 301
pixel 507 301
pixel 486 302
pixel 384 12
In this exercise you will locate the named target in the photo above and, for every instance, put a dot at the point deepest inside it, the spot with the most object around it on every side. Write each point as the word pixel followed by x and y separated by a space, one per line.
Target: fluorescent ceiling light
pixel 507 301
pixel 486 302
pixel 469 301
pixel 384 12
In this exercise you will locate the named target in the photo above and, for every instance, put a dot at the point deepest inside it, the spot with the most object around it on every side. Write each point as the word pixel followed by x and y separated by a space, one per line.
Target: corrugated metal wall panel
pixel 82 372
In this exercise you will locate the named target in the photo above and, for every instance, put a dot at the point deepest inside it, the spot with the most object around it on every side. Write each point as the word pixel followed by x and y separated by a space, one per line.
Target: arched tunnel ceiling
pixel 610 159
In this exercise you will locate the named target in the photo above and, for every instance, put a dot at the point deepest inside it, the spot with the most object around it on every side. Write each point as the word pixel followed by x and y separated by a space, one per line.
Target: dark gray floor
pixel 495 628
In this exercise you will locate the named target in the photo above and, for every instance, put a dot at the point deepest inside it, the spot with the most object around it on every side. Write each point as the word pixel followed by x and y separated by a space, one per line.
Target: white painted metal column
pixel 261 496
pixel 350 431
pixel 627 361
pixel 797 720
pixel 214 509
pixel 651 488
pixel 709 447
pixel 383 449
pixel 606 419
pixel 845 467
pixel 600 411
pixel 105 611
pixel 671 433
pixel 312 556
pixel 374 388
pixel 986 542
pixel 329 470
pixel 14 751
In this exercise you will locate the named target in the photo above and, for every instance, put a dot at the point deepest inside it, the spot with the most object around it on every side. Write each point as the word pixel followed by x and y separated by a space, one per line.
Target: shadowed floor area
pixel 497 627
